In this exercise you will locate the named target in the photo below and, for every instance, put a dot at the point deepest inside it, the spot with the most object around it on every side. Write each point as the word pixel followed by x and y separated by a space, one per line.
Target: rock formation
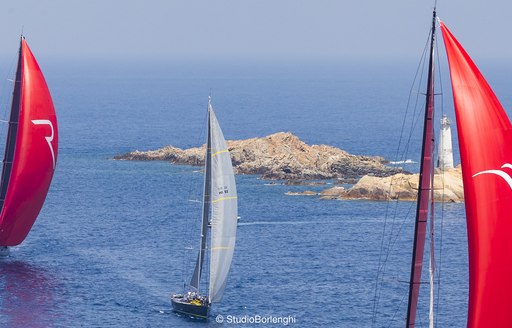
pixel 301 193
pixel 333 193
pixel 447 187
pixel 279 156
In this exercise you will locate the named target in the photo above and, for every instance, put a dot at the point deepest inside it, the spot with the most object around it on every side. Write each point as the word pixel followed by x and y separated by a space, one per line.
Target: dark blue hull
pixel 185 307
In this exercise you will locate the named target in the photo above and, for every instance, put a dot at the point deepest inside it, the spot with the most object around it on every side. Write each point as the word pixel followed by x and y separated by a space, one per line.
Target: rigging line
pixel 420 69
pixel 190 215
pixel 414 124
pixel 415 121
pixel 400 227
pixel 417 113
pixel 380 266
pixel 416 109
pixel 186 254
pixel 439 266
pixel 393 239
pixel 396 311
pixel 4 105
pixel 421 66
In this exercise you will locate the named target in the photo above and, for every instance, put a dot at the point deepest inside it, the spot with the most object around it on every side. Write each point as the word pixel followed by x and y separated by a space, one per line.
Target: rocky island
pixel 283 156
pixel 279 156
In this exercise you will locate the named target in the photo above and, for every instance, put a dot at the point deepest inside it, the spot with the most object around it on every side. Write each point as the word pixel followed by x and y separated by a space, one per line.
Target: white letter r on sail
pixel 48 139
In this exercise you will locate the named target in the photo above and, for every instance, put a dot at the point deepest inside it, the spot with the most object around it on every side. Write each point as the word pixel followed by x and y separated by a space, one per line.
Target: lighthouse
pixel 445 153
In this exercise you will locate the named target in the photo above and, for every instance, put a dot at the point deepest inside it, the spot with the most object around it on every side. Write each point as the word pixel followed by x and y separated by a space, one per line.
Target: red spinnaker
pixel 485 139
pixel 28 168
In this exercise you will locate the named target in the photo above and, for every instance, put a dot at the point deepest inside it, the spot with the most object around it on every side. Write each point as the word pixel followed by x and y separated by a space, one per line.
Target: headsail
pixel 485 142
pixel 224 212
pixel 31 151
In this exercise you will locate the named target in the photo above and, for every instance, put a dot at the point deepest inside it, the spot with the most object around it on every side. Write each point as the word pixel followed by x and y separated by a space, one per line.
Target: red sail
pixel 424 191
pixel 34 154
pixel 485 139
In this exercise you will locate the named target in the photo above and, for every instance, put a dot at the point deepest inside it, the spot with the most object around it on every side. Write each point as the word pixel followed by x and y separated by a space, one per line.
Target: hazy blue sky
pixel 295 29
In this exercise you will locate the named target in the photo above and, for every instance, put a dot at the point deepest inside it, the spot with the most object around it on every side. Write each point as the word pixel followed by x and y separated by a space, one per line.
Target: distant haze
pixel 268 29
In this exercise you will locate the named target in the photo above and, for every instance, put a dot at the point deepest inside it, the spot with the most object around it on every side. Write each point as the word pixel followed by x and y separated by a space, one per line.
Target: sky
pixel 238 29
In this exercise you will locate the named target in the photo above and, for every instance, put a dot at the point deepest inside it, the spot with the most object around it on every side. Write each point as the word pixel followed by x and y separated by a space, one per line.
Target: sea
pixel 116 238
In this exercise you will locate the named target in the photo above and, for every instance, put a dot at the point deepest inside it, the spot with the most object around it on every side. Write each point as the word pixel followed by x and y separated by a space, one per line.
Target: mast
pixel 196 277
pixel 11 133
pixel 424 190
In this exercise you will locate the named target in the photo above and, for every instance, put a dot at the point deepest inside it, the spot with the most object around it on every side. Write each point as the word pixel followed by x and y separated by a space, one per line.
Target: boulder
pixel 447 187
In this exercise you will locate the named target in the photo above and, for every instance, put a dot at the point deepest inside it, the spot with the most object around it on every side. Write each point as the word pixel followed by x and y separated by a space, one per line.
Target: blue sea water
pixel 112 241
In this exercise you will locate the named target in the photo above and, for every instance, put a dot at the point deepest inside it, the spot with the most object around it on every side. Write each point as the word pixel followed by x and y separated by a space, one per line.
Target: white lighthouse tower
pixel 445 153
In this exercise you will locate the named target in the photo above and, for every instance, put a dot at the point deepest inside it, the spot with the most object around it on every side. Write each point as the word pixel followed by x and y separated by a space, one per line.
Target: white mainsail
pixel 223 211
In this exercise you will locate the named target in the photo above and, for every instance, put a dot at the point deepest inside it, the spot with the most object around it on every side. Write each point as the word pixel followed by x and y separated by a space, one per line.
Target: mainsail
pixel 224 211
pixel 31 151
pixel 485 142
pixel 220 197
pixel 425 190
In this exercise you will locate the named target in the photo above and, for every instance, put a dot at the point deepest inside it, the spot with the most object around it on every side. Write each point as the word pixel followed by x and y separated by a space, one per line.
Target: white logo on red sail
pixel 501 173
pixel 48 139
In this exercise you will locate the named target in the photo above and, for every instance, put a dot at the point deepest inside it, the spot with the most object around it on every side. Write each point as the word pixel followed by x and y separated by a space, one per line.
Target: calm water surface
pixel 112 241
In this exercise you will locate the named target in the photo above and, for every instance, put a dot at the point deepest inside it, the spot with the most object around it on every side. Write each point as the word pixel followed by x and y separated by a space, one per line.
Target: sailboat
pixel 485 142
pixel 30 152
pixel 219 219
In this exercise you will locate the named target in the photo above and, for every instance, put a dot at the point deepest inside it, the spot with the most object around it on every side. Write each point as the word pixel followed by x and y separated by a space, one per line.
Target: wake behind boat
pixel 219 203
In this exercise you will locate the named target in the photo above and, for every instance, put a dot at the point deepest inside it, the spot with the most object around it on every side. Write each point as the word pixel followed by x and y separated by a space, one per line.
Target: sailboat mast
pixel 424 190
pixel 12 132
pixel 196 277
